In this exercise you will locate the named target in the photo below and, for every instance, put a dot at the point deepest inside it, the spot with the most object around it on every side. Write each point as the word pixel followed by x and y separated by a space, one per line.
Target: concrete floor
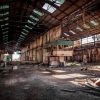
pixel 32 83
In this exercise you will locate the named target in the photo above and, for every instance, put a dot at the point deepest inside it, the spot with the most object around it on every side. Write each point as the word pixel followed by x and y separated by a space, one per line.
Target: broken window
pixel 58 2
pixel 91 39
pixel 84 40
pixel 49 8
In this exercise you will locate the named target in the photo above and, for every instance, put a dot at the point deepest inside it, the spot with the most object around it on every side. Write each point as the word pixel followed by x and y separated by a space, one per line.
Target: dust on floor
pixel 31 83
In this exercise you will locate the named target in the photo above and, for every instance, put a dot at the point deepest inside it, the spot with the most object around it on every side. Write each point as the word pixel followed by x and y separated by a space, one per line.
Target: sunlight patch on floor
pixel 59 71
pixel 67 76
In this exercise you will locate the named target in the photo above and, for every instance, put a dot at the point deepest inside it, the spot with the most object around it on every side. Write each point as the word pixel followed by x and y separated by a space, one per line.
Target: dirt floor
pixel 30 82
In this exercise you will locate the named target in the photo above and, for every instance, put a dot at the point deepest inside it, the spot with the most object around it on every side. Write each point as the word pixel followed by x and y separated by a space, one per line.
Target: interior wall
pixel 91 55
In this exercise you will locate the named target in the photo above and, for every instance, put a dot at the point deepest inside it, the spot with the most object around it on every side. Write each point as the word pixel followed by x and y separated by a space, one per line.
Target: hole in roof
pixel 71 31
pixel 66 34
pixel 79 28
pixel 58 2
pixel 49 8
pixel 86 26
pixel 93 22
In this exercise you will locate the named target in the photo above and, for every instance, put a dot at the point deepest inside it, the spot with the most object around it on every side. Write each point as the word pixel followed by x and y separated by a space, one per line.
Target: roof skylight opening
pixel 33 23
pixel 4 25
pixel 28 27
pixel 6 18
pixel 22 36
pixel 66 34
pixel 49 8
pixel 5 38
pixel 5 35
pixel 5 43
pixel 4 7
pixel 86 26
pixel 1 20
pixel 79 28
pixel 5 32
pixel 5 28
pixel 94 23
pixel 4 14
pixel 58 2
pixel 24 33
pixel 71 31
pixel 25 30
pixel 34 18
pixel 38 12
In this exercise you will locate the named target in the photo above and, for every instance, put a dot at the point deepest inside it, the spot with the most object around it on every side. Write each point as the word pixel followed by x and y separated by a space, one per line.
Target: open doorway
pixel 16 56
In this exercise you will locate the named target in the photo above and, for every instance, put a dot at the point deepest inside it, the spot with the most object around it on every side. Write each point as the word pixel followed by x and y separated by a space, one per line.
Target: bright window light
pixel 90 39
pixel 94 23
pixel 71 31
pixel 79 28
pixel 84 40
pixel 16 56
pixel 5 19
pixel 86 26
pixel 49 8
pixel 97 37
pixel 38 12
pixel 58 2
pixel 66 34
